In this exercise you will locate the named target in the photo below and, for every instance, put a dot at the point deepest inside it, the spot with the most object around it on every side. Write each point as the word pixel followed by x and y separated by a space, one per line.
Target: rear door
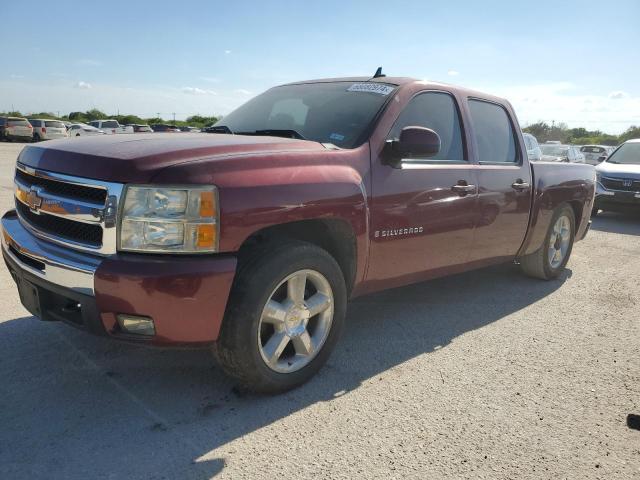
pixel 420 224
pixel 504 182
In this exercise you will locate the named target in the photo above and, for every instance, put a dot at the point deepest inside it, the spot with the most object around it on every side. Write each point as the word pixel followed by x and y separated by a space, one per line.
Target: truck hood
pixel 137 157
pixel 618 170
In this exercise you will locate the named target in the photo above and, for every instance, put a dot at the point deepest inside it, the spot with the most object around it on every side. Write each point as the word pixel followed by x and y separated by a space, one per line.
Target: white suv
pixel 110 126
pixel 44 129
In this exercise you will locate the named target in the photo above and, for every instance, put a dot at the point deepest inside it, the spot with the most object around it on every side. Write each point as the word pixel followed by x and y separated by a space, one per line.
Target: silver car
pixel 594 154
pixel 554 152
pixel 618 179
pixel 533 149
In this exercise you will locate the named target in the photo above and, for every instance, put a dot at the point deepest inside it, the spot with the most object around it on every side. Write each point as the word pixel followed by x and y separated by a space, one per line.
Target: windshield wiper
pixel 275 132
pixel 218 129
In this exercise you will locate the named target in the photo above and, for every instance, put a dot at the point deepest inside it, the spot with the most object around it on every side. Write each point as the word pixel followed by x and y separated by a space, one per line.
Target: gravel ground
pixel 482 375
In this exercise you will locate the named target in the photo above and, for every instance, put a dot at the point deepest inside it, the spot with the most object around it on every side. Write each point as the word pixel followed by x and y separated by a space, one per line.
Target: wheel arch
pixel 334 235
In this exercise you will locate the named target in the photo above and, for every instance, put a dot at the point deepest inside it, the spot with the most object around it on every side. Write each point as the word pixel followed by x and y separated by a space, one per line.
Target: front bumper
pixel 185 296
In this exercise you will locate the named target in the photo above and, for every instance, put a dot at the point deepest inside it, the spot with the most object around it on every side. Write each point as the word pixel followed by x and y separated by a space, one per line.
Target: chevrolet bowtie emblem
pixel 34 200
pixel 627 182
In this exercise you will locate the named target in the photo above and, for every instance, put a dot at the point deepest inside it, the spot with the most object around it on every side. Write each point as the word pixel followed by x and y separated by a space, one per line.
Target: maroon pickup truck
pixel 251 239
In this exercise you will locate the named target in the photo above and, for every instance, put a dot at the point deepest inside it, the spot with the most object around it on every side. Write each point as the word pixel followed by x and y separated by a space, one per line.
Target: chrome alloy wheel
pixel 296 321
pixel 559 241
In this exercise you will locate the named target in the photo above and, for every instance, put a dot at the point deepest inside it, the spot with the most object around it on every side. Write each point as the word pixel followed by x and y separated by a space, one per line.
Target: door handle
pixel 463 189
pixel 520 185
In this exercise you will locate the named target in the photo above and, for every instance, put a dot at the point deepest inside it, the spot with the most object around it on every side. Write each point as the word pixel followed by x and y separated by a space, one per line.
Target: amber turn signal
pixel 207 204
pixel 206 236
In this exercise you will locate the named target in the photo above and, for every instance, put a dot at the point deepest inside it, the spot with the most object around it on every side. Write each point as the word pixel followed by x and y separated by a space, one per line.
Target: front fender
pixel 257 193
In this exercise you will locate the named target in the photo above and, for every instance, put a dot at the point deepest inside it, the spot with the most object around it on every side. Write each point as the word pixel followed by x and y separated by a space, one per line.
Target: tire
pixel 540 264
pixel 250 331
pixel 36 138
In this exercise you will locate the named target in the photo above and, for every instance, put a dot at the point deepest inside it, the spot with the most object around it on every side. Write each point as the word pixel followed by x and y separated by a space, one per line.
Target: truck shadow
pixel 620 223
pixel 76 406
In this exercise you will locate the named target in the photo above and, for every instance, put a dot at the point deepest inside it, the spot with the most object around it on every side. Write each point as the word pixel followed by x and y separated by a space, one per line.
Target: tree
pixel 200 121
pixel 95 114
pixel 632 132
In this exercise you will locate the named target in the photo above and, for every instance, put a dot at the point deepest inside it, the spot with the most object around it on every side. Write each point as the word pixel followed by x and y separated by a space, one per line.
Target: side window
pixel 437 111
pixel 494 134
pixel 528 142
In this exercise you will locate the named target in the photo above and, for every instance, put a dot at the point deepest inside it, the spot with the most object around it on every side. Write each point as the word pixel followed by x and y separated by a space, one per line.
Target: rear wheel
pixel 36 137
pixel 285 314
pixel 552 257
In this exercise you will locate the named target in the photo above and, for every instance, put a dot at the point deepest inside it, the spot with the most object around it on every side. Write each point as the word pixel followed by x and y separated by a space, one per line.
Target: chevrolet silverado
pixel 250 239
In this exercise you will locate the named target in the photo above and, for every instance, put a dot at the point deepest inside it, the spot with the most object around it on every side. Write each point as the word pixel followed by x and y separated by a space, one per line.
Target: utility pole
pixel 174 117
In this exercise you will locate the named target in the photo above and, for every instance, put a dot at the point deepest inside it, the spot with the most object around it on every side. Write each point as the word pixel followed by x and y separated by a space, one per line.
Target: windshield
pixel 554 150
pixel 627 154
pixel 338 113
pixel 592 150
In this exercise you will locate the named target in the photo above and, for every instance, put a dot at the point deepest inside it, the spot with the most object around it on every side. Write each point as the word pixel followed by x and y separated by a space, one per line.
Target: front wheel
pixel 552 257
pixel 285 314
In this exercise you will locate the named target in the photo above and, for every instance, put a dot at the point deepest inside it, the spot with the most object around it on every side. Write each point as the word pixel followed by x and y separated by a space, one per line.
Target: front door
pixel 423 212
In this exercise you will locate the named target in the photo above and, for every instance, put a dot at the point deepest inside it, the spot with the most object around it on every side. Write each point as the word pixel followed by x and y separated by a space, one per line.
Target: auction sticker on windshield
pixel 371 88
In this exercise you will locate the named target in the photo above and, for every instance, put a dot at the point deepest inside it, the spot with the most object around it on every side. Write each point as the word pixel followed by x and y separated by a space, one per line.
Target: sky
pixel 573 62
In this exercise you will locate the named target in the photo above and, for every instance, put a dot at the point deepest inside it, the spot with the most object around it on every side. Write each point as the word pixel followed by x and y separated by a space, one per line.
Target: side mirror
pixel 413 142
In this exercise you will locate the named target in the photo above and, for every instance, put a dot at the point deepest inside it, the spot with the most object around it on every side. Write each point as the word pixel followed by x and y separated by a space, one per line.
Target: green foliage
pixel 578 136
pixel 632 132
pixel 200 121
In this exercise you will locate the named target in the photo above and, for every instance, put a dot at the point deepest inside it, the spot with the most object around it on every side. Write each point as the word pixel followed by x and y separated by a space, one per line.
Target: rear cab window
pixel 18 122
pixel 111 124
pixel 53 124
pixel 34 123
pixel 439 112
pixel 592 150
pixel 494 134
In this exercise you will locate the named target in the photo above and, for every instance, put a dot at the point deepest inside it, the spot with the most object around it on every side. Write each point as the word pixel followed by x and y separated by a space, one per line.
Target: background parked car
pixel 189 129
pixel 594 154
pixel 137 128
pixel 15 128
pixel 163 127
pixel 553 152
pixel 44 129
pixel 533 149
pixel 618 180
pixel 111 126
pixel 82 129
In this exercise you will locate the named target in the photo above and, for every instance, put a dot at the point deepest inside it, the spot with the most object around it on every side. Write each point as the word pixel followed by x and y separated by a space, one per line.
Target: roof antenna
pixel 379 73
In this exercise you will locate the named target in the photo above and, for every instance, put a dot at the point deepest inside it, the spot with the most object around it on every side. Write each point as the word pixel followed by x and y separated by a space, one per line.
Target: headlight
pixel 169 219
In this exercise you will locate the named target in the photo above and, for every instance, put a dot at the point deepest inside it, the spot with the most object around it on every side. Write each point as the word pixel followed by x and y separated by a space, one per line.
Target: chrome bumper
pixel 58 265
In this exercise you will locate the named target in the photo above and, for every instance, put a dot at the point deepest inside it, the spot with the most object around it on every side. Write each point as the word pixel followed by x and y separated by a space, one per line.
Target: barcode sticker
pixel 378 88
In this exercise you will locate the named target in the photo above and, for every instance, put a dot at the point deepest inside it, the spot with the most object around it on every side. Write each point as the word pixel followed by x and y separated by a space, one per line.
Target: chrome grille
pixel 621 184
pixel 72 211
